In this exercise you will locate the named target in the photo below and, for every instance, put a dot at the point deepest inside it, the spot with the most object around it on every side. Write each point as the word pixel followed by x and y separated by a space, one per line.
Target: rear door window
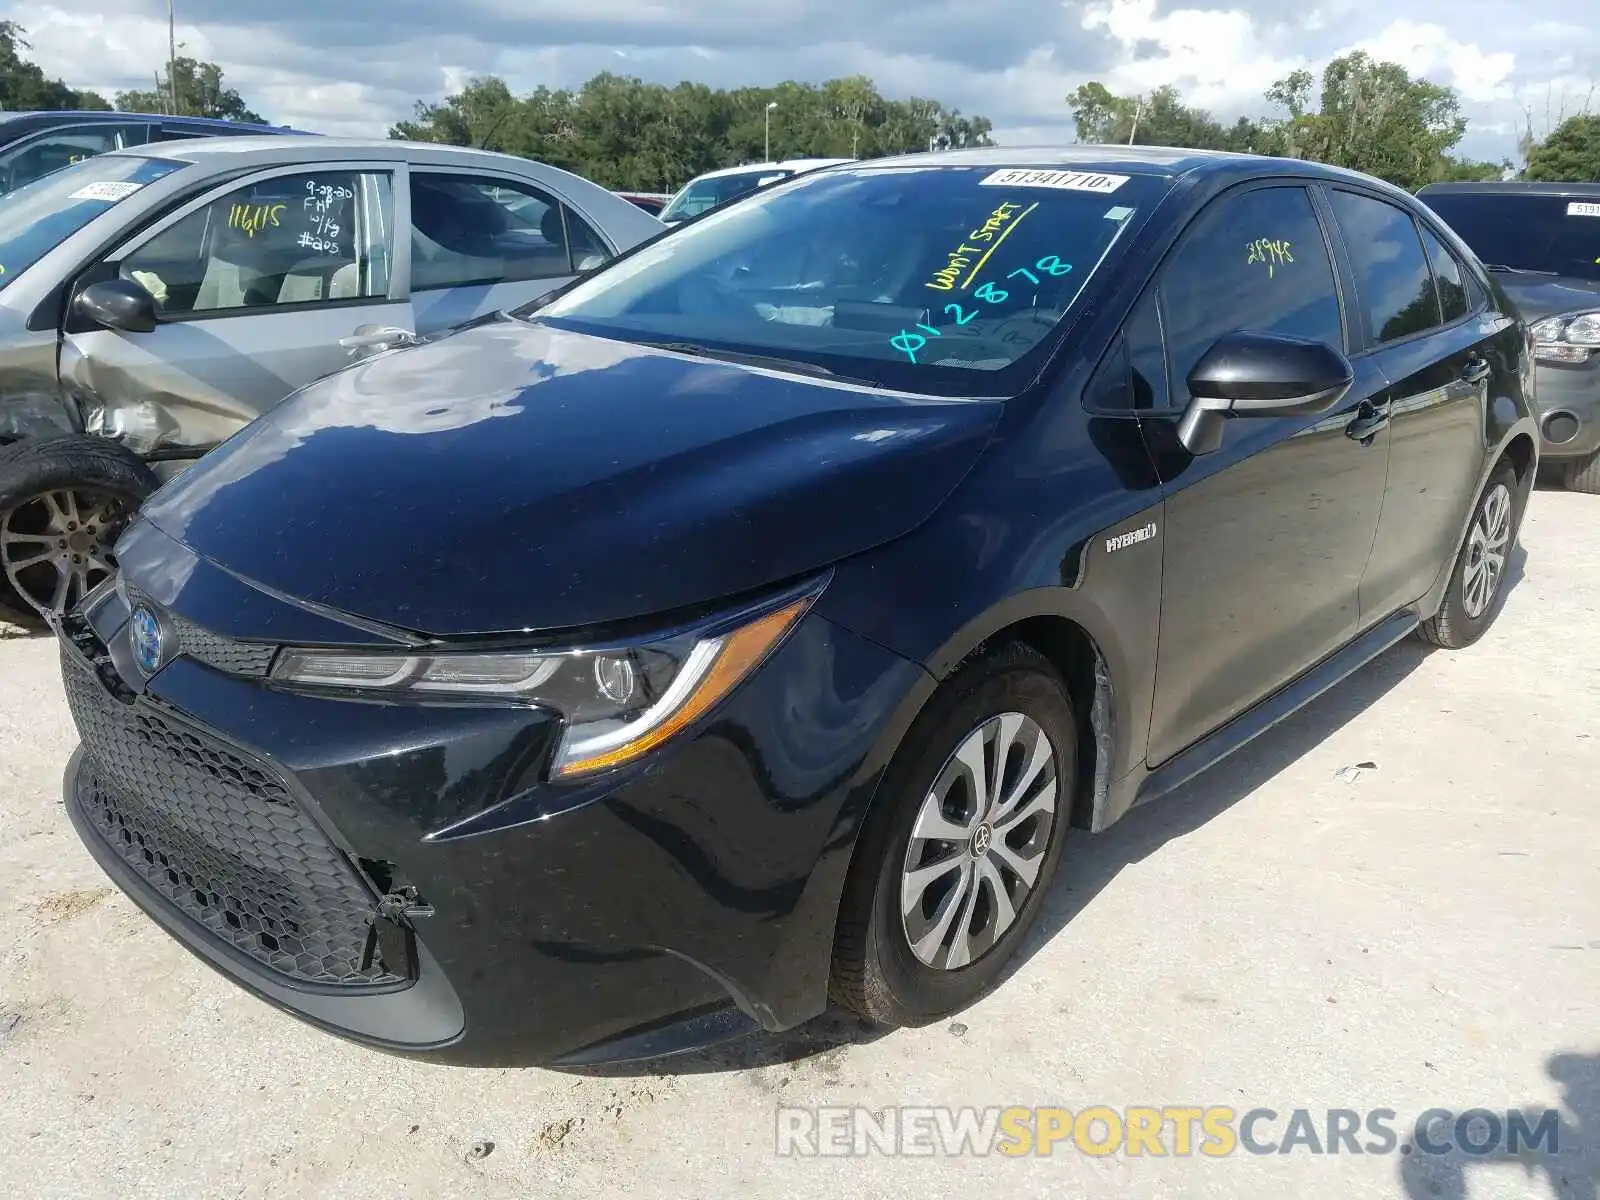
pixel 1393 278
pixel 477 231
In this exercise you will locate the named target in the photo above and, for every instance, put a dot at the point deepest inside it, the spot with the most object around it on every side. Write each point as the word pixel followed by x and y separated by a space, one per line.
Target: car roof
pixel 1511 188
pixel 247 151
pixel 1167 162
pixel 95 116
pixel 788 164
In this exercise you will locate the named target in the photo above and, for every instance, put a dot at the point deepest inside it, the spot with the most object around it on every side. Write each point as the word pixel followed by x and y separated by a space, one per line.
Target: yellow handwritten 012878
pixel 1272 251
pixel 253 218
pixel 980 241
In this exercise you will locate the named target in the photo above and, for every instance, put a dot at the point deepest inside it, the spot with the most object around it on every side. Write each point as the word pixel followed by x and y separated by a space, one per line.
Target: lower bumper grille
pixel 222 840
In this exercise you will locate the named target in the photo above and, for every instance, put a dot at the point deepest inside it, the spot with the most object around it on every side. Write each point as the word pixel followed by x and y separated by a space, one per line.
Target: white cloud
pixel 1215 56
pixel 1426 49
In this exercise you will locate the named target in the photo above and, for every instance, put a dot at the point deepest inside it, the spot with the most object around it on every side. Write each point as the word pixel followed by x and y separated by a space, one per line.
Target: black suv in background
pixel 1543 242
pixel 32 144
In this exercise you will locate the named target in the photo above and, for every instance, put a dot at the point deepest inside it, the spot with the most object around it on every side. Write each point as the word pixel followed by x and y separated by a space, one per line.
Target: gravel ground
pixel 1422 932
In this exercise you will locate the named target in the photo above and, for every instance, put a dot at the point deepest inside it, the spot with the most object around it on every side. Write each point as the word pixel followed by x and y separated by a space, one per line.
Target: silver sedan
pixel 154 301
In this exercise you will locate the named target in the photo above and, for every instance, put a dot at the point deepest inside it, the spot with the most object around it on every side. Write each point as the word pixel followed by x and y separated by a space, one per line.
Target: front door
pixel 1267 537
pixel 255 284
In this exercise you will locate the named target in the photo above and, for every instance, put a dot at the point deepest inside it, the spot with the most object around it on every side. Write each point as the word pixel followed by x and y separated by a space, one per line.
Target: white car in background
pixel 705 192
pixel 155 300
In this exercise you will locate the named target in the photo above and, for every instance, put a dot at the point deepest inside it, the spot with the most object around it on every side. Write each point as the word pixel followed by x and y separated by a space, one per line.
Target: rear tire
pixel 63 503
pixel 1583 475
pixel 950 872
pixel 1477 588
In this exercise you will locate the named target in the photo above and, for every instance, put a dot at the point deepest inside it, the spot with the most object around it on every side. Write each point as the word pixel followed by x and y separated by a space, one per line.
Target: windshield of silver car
pixel 938 279
pixel 39 216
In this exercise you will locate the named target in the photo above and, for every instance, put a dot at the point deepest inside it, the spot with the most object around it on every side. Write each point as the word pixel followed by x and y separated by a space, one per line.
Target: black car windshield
pixel 1558 234
pixel 702 195
pixel 39 216
pixel 931 279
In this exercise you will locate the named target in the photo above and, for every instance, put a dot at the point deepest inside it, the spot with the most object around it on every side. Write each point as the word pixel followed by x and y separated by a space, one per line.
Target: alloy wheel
pixel 55 547
pixel 978 842
pixel 1488 543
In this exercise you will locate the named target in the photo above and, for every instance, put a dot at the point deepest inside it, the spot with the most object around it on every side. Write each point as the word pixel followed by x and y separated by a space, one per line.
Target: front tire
pixel 960 849
pixel 63 503
pixel 1477 587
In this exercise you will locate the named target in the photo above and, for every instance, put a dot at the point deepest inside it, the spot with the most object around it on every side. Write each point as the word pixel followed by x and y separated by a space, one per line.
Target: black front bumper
pixel 684 900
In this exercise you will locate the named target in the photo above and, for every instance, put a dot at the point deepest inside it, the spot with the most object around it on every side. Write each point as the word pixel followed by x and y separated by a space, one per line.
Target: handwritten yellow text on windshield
pixel 967 258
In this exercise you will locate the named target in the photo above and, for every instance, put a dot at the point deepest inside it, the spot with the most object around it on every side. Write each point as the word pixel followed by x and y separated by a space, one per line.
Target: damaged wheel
pixel 63 503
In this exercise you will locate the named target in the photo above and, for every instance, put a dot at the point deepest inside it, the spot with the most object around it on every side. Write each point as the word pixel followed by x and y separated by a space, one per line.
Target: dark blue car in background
pixel 746 623
pixel 33 144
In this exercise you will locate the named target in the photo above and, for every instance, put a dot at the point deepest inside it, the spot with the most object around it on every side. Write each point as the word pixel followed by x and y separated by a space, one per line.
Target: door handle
pixel 1476 370
pixel 1369 421
pixel 368 337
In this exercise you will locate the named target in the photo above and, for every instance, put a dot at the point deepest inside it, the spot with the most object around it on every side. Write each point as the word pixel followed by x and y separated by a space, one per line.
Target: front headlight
pixel 617 703
pixel 1567 339
pixel 1584 330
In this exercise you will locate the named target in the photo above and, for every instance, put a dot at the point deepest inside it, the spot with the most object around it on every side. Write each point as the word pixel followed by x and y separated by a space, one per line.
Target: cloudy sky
pixel 359 68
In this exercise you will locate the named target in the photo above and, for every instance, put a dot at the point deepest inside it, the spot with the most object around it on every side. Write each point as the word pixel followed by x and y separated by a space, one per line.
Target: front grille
pixel 222 839
pixel 223 653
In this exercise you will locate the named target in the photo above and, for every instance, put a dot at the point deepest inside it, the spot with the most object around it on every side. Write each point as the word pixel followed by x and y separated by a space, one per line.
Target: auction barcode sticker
pixel 105 190
pixel 1579 209
pixel 1072 181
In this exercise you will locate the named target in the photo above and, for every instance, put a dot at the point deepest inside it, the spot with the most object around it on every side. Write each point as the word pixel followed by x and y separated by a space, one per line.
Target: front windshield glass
pixel 702 195
pixel 931 279
pixel 1529 232
pixel 38 217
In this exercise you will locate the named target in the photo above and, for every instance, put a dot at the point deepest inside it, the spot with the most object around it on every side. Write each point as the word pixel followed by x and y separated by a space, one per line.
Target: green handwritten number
pixel 1051 265
pixel 908 343
pixel 1032 278
pixel 962 317
pixel 991 293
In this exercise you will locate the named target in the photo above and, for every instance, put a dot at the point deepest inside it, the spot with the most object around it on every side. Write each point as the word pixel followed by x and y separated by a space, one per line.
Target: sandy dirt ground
pixel 1285 933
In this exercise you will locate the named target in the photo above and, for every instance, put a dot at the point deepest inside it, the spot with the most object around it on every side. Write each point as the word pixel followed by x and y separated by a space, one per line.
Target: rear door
pixel 1427 329
pixel 482 242
pixel 255 283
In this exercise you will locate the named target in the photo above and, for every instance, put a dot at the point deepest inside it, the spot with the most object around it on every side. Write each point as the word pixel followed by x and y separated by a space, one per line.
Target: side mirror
pixel 117 304
pixel 1260 375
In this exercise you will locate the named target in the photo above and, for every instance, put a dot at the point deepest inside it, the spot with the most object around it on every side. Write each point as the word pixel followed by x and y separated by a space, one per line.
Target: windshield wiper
pixel 796 365
pixel 1516 270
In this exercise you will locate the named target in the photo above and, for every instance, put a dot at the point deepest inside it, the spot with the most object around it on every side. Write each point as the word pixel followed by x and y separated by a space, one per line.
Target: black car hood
pixel 517 477
pixel 1540 296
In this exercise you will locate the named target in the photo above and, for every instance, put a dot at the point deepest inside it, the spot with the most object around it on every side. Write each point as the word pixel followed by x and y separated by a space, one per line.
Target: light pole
pixel 771 104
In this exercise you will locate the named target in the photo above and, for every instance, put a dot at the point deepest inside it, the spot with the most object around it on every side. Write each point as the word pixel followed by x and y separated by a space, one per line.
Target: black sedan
pixel 746 624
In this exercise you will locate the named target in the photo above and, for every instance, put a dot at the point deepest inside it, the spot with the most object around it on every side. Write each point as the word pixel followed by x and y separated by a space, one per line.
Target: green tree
pixel 1159 119
pixel 23 86
pixel 625 133
pixel 200 93
pixel 1571 154
pixel 1374 117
